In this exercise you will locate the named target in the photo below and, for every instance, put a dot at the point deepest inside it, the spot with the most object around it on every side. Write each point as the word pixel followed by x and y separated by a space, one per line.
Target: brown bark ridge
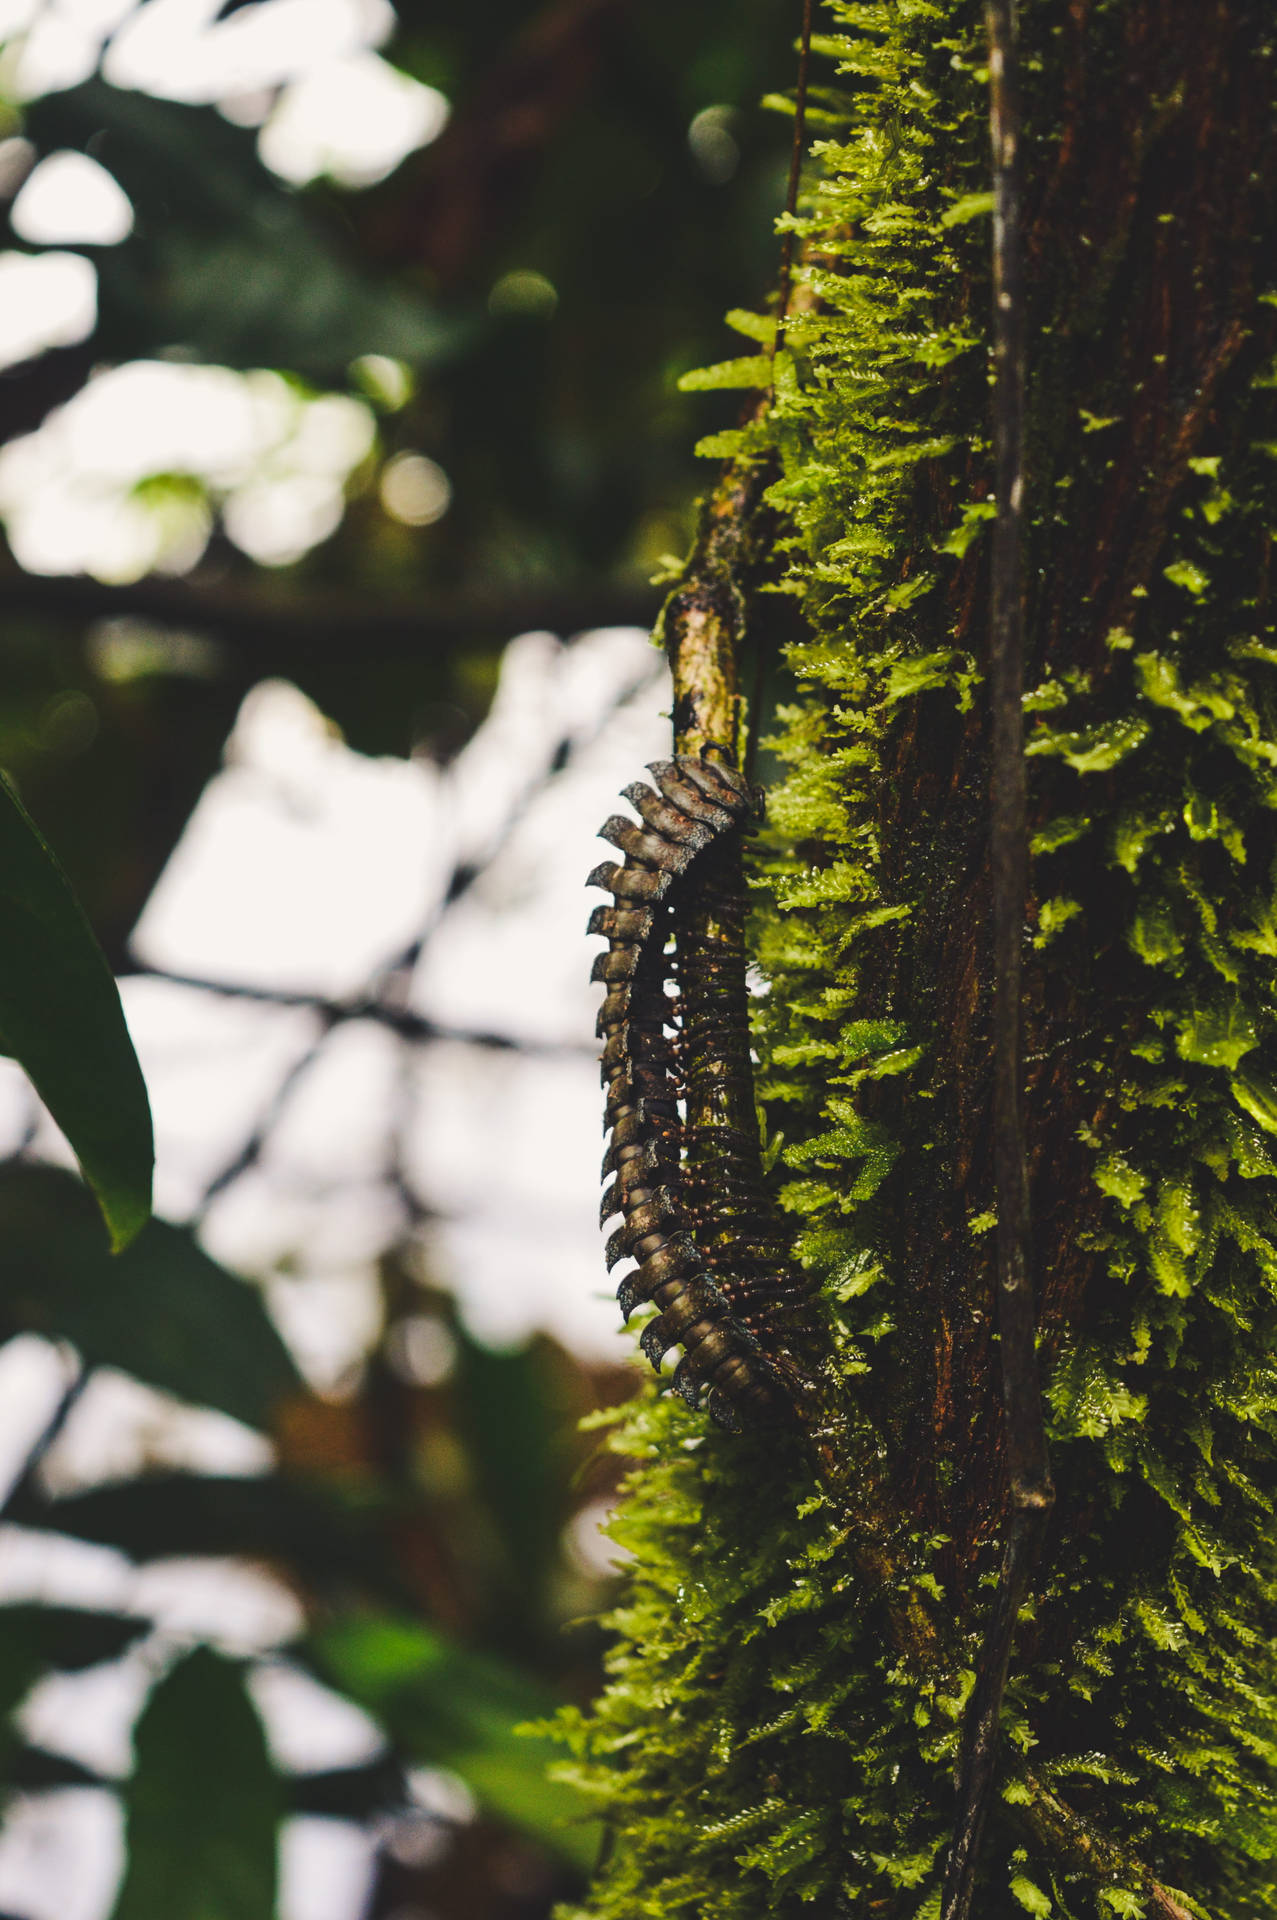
pixel 1030 1489
pixel 1141 275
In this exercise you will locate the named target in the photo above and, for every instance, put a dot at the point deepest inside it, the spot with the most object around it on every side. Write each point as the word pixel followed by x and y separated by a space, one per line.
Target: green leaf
pixel 161 1309
pixel 1218 1036
pixel 968 206
pixel 1116 1176
pixel 1256 1094
pixel 754 370
pixel 1093 749
pixel 204 1805
pixel 1184 574
pixel 755 326
pixel 61 1019
pixel 970 526
pixel 1123 1903
pixel 457 1709
pixel 1030 1896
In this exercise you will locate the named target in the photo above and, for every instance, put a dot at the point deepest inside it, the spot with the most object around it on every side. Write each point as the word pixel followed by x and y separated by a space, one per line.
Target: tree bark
pixel 1142 1680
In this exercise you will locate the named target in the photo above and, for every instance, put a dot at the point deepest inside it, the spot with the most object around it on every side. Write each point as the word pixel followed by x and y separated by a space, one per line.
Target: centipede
pixel 709 1252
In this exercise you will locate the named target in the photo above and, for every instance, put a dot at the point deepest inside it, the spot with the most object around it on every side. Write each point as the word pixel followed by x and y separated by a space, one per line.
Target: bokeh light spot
pixel 70 197
pixel 126 478
pixel 276 521
pixel 714 145
pixel 387 383
pixel 68 723
pixel 353 120
pixel 415 490
pixel 421 1349
pixel 46 300
pixel 523 294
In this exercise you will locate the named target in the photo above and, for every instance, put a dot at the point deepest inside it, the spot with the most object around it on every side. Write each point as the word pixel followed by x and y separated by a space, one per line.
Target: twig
pixel 38 1451
pixel 704 618
pixel 795 172
pixel 1028 1468
pixel 1082 1848
pixel 414 1027
pixel 246 1157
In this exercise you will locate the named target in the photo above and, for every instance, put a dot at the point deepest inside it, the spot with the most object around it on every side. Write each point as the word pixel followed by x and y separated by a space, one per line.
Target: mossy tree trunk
pixel 783 1720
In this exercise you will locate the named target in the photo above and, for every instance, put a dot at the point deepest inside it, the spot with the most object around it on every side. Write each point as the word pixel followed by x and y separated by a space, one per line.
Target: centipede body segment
pixel 709 1254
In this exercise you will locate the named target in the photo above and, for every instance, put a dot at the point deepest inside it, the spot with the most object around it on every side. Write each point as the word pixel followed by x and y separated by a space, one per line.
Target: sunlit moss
pixel 763 1747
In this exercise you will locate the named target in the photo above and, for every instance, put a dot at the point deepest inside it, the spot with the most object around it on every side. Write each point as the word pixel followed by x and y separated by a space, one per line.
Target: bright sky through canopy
pixel 130 476
pixel 69 198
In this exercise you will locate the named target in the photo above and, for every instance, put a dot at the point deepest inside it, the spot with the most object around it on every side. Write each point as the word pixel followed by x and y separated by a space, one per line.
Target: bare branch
pixel 312 628
pixel 1081 1848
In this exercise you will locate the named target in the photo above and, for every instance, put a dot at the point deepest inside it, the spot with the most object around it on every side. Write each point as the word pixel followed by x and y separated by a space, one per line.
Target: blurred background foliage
pixel 507 312
pixel 539 276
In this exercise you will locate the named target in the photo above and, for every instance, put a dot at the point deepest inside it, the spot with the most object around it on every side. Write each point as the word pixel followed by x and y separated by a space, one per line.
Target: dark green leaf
pixel 350 1793
pixel 204 1804
pixel 323 1539
pixel 35 1770
pixel 70 1638
pixel 161 1309
pixel 22 1661
pixel 60 1016
pixel 33 1639
pixel 449 1707
pixel 514 1432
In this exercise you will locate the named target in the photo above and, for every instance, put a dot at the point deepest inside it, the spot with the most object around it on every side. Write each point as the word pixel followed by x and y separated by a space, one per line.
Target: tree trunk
pixel 784 1717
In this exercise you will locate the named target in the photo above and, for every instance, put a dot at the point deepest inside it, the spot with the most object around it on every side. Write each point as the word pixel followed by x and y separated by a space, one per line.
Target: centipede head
pixel 719 760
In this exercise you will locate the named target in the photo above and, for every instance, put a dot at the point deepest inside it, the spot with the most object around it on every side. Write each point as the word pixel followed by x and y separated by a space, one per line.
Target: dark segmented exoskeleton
pixel 710 1256
pixel 739 1234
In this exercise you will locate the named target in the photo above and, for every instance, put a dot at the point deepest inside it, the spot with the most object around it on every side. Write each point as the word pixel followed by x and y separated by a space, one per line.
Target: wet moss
pixel 769 1743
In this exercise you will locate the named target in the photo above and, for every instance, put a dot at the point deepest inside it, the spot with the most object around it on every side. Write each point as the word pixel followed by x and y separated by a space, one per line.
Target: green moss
pixel 772 1740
